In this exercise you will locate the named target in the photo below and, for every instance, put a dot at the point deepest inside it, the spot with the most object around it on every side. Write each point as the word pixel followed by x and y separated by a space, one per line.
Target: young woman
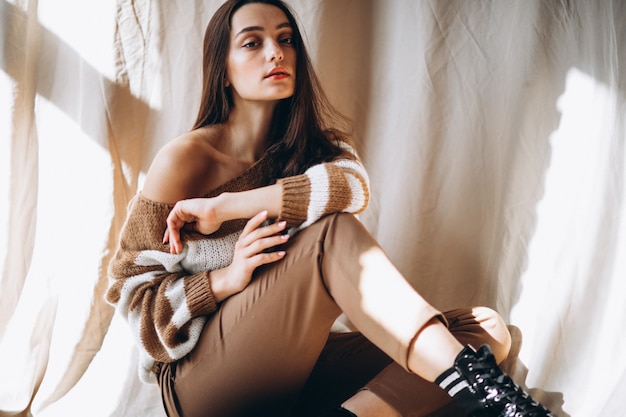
pixel 233 315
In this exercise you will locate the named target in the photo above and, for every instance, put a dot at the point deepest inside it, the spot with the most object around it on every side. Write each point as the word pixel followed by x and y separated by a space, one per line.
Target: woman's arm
pixel 341 185
pixel 206 215
pixel 163 304
pixel 165 300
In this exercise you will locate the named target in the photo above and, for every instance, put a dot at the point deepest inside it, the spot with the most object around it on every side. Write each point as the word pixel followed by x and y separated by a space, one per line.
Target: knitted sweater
pixel 166 297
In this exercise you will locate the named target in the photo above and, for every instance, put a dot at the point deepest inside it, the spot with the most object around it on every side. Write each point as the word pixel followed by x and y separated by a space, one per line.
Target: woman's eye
pixel 286 41
pixel 250 44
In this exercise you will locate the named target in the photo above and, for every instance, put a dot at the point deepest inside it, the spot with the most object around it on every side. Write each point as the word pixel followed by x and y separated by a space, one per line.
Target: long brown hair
pixel 305 126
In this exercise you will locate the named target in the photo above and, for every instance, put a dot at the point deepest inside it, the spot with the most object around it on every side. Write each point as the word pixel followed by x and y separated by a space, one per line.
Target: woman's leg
pixel 257 351
pixel 372 293
pixel 348 362
pixel 259 348
pixel 389 312
pixel 411 395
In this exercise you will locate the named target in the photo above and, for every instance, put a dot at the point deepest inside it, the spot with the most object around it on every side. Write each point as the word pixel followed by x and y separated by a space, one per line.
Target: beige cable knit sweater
pixel 166 297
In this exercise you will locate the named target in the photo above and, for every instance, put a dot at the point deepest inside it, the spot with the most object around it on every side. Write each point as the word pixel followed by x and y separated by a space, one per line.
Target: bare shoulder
pixel 177 170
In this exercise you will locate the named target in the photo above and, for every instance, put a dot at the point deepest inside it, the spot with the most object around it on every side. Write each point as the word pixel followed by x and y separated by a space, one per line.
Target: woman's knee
pixel 495 326
pixel 346 220
pixel 480 325
pixel 344 229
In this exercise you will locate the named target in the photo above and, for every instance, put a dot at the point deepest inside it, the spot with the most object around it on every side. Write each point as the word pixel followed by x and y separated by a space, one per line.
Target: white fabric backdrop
pixel 494 134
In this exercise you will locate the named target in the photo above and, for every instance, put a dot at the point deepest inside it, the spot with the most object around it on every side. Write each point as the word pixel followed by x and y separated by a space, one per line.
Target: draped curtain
pixel 493 131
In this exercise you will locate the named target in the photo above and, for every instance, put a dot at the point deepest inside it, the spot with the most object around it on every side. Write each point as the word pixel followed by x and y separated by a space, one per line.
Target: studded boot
pixel 477 384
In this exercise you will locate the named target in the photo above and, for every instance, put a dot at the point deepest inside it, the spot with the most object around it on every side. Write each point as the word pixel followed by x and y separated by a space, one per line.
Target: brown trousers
pixel 267 351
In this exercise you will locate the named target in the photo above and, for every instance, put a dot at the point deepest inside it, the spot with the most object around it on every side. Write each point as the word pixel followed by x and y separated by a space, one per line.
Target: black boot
pixel 478 385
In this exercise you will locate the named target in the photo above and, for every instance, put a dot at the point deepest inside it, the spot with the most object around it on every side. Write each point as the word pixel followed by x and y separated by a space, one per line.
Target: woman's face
pixel 261 63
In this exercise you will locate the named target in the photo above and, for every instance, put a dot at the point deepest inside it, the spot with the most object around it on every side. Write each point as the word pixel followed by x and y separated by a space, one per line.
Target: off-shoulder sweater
pixel 166 298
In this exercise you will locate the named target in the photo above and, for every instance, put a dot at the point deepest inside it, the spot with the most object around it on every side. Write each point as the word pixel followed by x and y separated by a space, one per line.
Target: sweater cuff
pixel 296 199
pixel 200 297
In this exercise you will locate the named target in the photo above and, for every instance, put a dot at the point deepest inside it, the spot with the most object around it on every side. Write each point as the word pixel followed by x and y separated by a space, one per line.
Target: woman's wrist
pixel 219 284
pixel 247 204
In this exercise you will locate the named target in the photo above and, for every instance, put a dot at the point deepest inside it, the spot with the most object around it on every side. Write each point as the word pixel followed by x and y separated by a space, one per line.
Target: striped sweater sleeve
pixel 163 304
pixel 341 185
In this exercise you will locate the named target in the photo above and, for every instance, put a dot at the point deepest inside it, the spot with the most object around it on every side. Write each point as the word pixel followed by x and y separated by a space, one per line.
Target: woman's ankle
pixel 433 350
pixel 478 385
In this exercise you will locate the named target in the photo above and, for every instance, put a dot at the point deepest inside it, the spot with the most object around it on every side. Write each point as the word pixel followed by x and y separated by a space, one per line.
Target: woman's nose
pixel 274 52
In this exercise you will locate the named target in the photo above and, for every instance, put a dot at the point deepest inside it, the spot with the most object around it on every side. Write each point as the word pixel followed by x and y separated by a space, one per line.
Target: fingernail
pixel 282 224
pixel 281 253
pixel 284 237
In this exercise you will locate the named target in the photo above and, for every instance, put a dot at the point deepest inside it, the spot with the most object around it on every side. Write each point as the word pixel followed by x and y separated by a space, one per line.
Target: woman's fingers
pixel 256 242
pixel 176 220
pixel 254 232
pixel 260 253
pixel 262 240
pixel 174 237
pixel 267 258
pixel 254 223
pixel 253 240
pixel 172 234
pixel 257 245
pixel 269 243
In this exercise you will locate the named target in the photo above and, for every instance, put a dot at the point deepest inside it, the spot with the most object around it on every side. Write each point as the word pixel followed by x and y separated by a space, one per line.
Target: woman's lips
pixel 277 73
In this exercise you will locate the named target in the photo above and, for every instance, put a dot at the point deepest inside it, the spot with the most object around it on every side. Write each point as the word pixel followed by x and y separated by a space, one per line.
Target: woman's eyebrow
pixel 261 28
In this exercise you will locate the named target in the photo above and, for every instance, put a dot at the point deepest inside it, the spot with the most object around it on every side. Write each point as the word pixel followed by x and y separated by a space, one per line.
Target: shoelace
pixel 500 388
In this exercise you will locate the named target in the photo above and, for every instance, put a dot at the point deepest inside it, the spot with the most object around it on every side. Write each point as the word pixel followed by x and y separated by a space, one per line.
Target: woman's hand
pixel 250 253
pixel 196 214
pixel 206 215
